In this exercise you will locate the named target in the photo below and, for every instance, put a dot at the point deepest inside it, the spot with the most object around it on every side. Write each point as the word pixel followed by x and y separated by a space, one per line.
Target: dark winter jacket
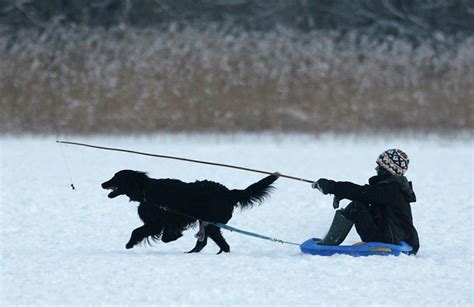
pixel 389 198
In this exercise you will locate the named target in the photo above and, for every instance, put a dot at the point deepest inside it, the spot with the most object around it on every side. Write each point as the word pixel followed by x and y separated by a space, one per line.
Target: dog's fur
pixel 169 206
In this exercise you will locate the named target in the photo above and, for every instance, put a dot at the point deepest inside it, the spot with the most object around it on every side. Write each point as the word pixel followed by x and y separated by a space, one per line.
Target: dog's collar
pixel 144 195
pixel 145 200
pixel 145 186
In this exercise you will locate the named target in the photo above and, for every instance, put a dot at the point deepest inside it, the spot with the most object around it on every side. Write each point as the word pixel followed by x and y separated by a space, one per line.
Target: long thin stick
pixel 183 159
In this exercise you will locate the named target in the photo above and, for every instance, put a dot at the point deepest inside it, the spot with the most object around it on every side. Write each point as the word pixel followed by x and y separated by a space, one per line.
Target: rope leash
pixel 201 233
pixel 252 234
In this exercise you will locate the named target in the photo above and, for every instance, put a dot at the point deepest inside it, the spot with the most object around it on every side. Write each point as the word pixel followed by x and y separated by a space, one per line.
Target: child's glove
pixel 325 186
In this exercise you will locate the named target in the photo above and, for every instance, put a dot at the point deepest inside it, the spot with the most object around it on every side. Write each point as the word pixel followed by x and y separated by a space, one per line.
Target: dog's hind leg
pixel 215 234
pixel 202 238
pixel 199 245
pixel 141 233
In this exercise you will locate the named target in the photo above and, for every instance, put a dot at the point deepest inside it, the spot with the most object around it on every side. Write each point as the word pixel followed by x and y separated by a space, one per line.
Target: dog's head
pixel 126 182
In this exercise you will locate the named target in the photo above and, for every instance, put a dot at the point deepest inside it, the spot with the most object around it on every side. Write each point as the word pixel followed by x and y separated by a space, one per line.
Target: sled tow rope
pixel 230 228
pixel 252 234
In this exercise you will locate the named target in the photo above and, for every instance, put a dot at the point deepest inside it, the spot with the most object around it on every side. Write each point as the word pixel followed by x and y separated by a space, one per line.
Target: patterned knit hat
pixel 395 161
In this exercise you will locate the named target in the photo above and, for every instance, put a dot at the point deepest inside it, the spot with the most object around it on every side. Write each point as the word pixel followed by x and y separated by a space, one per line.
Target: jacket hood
pixel 405 186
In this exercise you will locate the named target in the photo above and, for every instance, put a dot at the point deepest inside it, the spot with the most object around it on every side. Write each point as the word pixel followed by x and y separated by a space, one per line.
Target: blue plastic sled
pixel 359 249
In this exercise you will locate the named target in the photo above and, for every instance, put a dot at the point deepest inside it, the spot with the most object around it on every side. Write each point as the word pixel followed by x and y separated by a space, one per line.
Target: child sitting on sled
pixel 380 210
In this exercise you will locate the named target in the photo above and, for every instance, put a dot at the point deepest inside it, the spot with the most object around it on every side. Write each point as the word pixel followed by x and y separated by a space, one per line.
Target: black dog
pixel 169 206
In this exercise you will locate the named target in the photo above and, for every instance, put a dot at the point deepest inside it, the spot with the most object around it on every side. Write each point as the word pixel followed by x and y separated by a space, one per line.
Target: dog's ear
pixel 141 177
pixel 138 180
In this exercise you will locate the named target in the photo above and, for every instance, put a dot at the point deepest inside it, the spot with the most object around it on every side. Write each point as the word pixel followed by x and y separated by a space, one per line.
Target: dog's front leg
pixel 139 234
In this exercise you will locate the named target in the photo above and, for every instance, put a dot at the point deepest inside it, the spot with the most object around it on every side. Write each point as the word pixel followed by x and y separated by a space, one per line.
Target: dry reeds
pixel 91 80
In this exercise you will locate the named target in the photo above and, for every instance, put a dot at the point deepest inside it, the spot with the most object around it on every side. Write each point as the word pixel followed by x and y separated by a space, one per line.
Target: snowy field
pixel 65 247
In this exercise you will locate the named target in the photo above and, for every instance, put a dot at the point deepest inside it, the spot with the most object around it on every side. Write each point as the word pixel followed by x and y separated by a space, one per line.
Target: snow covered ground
pixel 61 247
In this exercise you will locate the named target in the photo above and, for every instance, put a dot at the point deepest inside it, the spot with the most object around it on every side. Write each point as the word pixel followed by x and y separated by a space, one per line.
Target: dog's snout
pixel 105 185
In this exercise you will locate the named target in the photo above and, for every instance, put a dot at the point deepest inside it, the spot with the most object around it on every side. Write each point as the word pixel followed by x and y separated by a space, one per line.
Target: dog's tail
pixel 255 193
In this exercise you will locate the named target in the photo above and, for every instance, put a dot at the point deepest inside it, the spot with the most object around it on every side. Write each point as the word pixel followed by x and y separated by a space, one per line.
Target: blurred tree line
pixel 413 20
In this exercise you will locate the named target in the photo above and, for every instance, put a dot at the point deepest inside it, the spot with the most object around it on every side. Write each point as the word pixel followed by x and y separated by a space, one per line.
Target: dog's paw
pixel 227 250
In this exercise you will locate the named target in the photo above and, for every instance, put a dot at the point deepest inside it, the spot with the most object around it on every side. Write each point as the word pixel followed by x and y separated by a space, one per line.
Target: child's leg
pixel 358 212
